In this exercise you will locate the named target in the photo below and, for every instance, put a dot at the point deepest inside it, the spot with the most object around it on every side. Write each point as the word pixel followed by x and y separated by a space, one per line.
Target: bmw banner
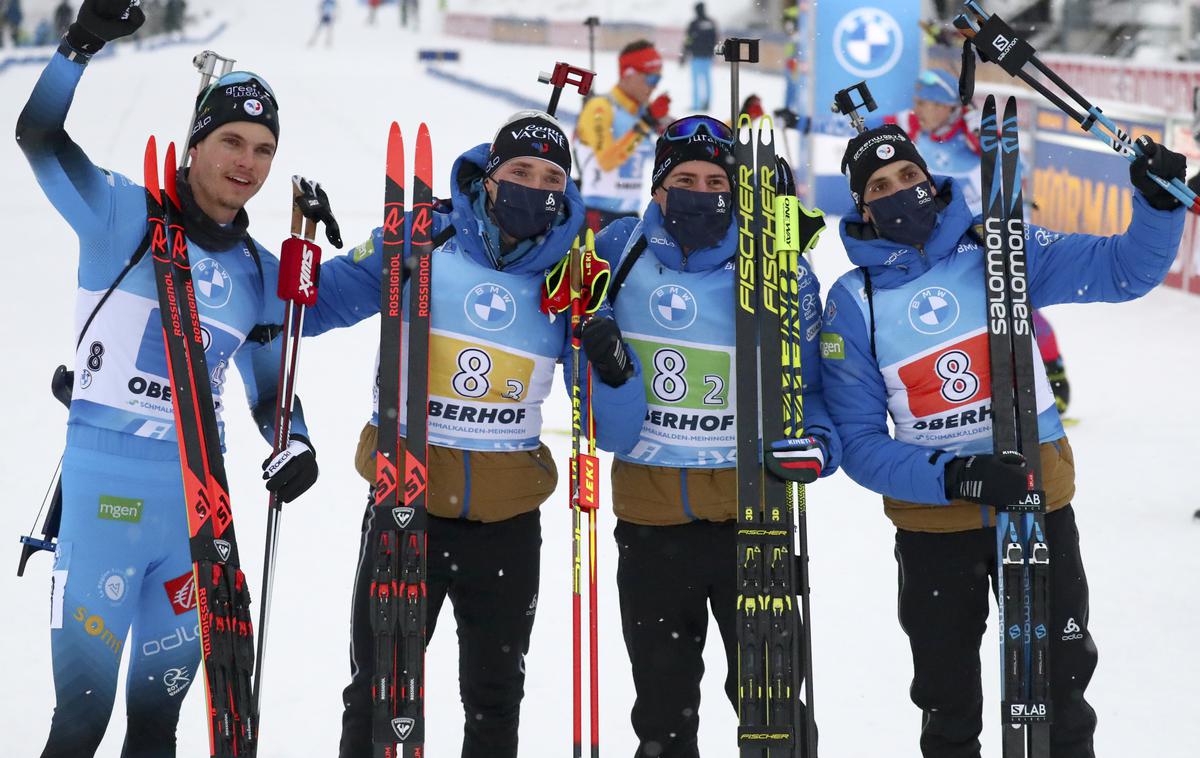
pixel 879 44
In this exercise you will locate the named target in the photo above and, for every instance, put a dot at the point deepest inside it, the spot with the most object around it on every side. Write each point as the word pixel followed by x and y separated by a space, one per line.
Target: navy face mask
pixel 698 220
pixel 523 212
pixel 907 216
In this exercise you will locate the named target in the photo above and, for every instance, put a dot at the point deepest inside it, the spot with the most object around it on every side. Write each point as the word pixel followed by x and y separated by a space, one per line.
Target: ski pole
pixel 211 66
pixel 578 284
pixel 564 75
pixel 735 51
pixel 299 274
pixel 60 387
pixel 998 43
pixel 591 22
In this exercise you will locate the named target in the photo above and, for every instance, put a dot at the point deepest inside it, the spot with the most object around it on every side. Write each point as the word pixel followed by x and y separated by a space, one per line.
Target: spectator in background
pixel 327 9
pixel 610 137
pixel 173 18
pixel 374 6
pixel 700 45
pixel 13 16
pixel 43 33
pixel 64 14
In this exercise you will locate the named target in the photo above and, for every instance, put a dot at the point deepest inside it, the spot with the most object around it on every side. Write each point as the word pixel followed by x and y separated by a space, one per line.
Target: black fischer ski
pixel 1022 554
pixel 773 652
pixel 222 597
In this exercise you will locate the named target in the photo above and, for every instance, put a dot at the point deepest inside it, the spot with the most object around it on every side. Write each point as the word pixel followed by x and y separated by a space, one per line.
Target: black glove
pixel 314 204
pixel 601 338
pixel 1165 163
pixel 290 473
pixel 101 21
pixel 1057 374
pixel 796 460
pixel 999 480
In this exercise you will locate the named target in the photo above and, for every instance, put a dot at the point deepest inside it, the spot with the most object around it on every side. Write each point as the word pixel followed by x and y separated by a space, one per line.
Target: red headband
pixel 644 61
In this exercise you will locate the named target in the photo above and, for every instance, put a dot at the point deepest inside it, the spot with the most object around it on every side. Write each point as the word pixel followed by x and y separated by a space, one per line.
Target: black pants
pixel 668 578
pixel 943 609
pixel 490 573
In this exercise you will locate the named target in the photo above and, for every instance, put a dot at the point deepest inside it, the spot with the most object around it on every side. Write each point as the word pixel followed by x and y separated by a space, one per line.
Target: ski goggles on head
pixel 234 78
pixel 689 126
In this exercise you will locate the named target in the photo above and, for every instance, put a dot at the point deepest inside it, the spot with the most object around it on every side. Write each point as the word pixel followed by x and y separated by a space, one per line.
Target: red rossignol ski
pixel 397 533
pixel 222 598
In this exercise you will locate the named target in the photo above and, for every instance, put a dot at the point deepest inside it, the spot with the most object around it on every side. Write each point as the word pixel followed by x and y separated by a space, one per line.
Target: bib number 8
pixel 669 384
pixel 471 379
pixel 958 383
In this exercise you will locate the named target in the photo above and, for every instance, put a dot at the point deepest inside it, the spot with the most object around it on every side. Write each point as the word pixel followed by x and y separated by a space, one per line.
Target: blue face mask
pixel 907 216
pixel 698 220
pixel 523 212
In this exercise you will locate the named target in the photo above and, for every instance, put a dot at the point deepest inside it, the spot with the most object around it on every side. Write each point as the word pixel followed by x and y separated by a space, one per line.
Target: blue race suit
pixel 123 558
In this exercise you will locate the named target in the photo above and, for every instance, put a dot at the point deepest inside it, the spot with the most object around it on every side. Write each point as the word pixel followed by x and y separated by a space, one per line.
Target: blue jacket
pixel 942 289
pixel 613 245
pixel 350 284
pixel 120 368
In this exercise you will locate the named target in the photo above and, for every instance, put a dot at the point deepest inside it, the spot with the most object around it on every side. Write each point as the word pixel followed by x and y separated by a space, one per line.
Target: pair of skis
pixel 397 538
pixel 1023 558
pixel 222 597
pixel 232 681
pixel 774 642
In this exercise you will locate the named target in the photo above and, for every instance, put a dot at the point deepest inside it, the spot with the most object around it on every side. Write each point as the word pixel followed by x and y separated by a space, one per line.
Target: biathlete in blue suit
pixel 123 558
pixel 905 336
pixel 512 217
pixel 675 491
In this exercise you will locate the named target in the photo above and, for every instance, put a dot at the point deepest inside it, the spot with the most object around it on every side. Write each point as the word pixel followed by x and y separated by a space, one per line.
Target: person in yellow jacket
pixel 610 137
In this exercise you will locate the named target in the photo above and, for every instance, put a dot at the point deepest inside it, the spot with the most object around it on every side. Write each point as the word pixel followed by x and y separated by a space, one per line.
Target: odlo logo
pixel 1071 631
pixel 551 203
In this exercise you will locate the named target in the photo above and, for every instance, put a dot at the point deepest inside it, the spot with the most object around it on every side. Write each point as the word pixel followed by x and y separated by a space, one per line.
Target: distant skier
pixel 123 558
pixel 512 216
pixel 327 15
pixel 675 492
pixel 904 335
pixel 611 137
pixel 64 14
pixel 938 125
pixel 700 44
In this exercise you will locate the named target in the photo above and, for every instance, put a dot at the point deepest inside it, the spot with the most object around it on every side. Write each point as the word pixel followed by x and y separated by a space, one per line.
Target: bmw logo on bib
pixel 933 310
pixel 214 286
pixel 673 307
pixel 868 42
pixel 490 307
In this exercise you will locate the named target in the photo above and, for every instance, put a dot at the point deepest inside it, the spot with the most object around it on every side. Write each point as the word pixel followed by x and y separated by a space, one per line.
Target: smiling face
pixel 891 179
pixel 932 116
pixel 229 166
pixel 697 176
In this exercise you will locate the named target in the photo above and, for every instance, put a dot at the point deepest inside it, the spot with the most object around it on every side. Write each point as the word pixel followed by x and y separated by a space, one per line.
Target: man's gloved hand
pixel 290 473
pixel 314 204
pixel 998 480
pixel 601 339
pixel 656 111
pixel 101 21
pixel 796 460
pixel 1164 163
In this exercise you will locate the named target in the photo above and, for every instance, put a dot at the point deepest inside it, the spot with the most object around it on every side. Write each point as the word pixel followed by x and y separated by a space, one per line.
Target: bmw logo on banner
pixel 868 42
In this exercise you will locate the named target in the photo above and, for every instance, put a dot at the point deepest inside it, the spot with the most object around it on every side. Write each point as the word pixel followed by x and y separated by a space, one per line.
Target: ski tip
pixel 151 169
pixel 169 176
pixel 395 155
pixel 766 130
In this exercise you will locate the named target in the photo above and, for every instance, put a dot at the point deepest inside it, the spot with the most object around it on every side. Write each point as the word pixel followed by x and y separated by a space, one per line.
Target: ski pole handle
pixel 564 75
pixel 299 271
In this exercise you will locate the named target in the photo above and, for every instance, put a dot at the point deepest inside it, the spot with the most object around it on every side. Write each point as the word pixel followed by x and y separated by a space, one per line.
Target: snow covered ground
pixel 1134 369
